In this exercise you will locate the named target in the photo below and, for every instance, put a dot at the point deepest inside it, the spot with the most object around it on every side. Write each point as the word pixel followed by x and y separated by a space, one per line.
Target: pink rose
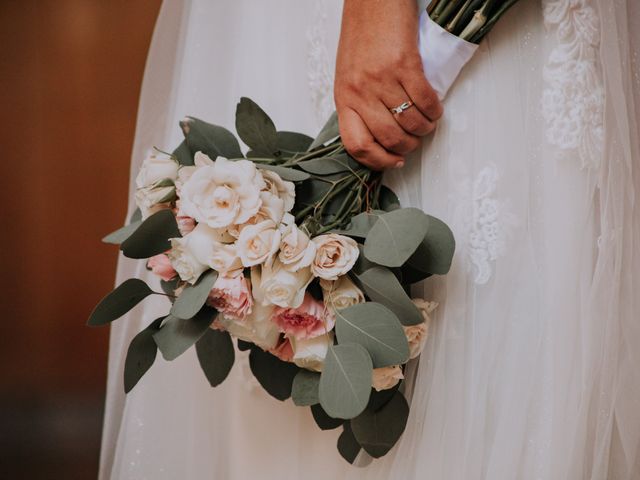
pixel 284 350
pixel 161 266
pixel 231 296
pixel 309 320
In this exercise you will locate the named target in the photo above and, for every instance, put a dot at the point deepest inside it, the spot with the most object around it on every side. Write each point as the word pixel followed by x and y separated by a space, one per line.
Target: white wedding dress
pixel 532 367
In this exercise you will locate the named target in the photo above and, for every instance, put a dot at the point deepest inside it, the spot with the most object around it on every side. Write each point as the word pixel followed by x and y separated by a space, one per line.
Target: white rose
pixel 335 255
pixel 281 287
pixel 155 169
pixel 271 208
pixel 153 199
pixel 386 377
pixel 206 245
pixel 296 249
pixel 417 334
pixel 280 188
pixel 222 194
pixel 310 353
pixel 341 293
pixel 258 243
pixel 256 328
pixel 185 171
pixel 183 260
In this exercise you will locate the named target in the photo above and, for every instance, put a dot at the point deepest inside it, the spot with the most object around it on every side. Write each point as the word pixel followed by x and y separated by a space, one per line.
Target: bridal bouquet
pixel 299 253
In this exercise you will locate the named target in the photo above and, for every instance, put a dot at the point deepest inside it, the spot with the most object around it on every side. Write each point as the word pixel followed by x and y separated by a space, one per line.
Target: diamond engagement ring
pixel 402 107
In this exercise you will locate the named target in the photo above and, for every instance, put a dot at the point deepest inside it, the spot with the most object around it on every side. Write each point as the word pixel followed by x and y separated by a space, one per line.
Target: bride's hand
pixel 378 68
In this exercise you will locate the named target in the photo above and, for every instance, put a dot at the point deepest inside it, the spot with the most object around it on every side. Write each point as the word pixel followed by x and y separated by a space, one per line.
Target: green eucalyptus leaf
pixel 293 141
pixel 323 420
pixel 329 165
pixel 126 296
pixel 345 382
pixel 169 287
pixel 377 329
pixel 275 376
pixel 361 224
pixel 183 154
pixel 152 236
pixel 289 174
pixel 255 128
pixel 388 200
pixel 328 132
pixel 120 235
pixel 243 346
pixel 193 297
pixel 136 216
pixel 435 253
pixel 212 140
pixel 216 355
pixel 378 431
pixel 311 192
pixel 396 236
pixel 176 335
pixel 140 355
pixel 362 263
pixel 348 446
pixel 382 286
pixel 304 391
pixel 380 398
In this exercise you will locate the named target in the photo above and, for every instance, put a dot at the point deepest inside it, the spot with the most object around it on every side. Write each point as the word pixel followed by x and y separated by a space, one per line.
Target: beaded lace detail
pixel 572 102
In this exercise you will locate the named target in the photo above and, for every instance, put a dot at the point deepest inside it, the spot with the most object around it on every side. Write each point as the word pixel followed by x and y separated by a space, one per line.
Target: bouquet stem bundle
pixel 470 20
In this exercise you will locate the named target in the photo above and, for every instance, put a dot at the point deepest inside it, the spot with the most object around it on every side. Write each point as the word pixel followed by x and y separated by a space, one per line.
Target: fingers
pixel 360 143
pixel 411 120
pixel 386 130
pixel 423 96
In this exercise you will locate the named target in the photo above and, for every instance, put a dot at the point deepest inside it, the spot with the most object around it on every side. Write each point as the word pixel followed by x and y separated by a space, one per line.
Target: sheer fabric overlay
pixel 530 371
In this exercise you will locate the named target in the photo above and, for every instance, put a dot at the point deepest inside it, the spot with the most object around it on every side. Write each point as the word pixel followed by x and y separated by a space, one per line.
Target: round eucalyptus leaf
pixel 176 335
pixel 193 297
pixel 152 236
pixel 289 174
pixel 396 236
pixel 382 286
pixel 304 391
pixel 216 355
pixel 120 235
pixel 329 165
pixel 212 140
pixel 329 131
pixel 183 154
pixel 378 431
pixel 348 446
pixel 435 253
pixel 255 128
pixel 323 420
pixel 126 296
pixel 140 355
pixel 293 141
pixel 345 382
pixel 275 376
pixel 377 329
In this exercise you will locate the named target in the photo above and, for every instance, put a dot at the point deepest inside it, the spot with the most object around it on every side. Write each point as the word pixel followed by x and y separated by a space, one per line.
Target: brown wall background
pixel 70 74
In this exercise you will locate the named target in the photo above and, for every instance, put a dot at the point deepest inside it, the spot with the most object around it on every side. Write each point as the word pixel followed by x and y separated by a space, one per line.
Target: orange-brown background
pixel 70 74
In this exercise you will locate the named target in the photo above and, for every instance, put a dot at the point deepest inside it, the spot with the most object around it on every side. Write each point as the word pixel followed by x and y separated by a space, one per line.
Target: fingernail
pixel 400 164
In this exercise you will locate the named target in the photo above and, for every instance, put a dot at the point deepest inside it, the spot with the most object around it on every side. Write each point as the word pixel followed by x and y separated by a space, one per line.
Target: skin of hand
pixel 378 67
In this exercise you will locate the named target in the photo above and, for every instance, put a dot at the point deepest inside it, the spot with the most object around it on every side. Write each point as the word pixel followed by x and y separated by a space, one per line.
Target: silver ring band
pixel 402 107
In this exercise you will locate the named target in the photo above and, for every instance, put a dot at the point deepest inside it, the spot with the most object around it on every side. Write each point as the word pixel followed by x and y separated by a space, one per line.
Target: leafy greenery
pixel 193 297
pixel 126 296
pixel 345 382
pixel 215 355
pixel 305 388
pixel 375 328
pixel 152 236
pixel 378 431
pixel 140 355
pixel 209 139
pixel 275 376
pixel 176 335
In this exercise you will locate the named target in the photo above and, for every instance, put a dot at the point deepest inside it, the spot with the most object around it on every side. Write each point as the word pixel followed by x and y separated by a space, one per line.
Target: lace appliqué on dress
pixel 487 236
pixel 319 72
pixel 572 102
